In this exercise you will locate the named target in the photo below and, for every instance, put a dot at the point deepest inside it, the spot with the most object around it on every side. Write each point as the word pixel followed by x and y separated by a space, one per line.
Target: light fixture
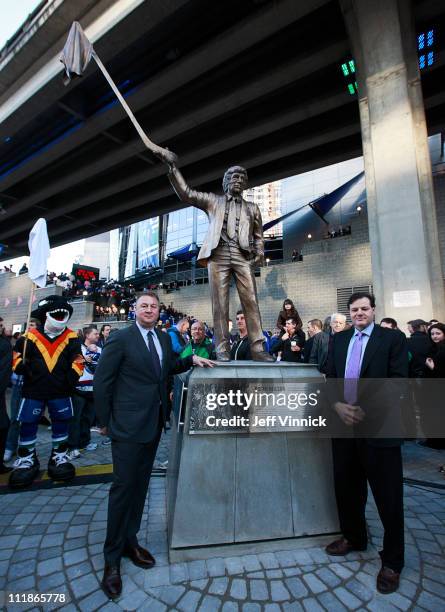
pixel 309 236
pixel 267 261
pixel 122 311
pixel 85 292
pixel 160 285
pixel 359 208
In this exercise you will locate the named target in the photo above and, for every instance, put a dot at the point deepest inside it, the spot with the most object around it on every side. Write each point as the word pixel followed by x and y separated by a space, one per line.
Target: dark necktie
pixel 231 218
pixel 154 354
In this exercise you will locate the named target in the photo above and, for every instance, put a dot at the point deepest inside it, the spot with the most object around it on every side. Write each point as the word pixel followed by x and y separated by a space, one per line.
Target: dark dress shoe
pixel 140 556
pixel 387 580
pixel 341 547
pixel 112 582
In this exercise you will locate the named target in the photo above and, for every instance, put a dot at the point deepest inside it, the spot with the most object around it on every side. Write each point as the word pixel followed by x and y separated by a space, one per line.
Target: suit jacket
pixel 250 230
pixel 127 394
pixel 420 347
pixel 320 350
pixel 385 357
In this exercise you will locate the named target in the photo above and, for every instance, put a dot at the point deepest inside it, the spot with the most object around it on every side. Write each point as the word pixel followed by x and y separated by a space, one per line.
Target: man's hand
pixel 350 415
pixel 429 363
pixel 103 431
pixel 166 156
pixel 258 260
pixel 202 362
pixel 295 349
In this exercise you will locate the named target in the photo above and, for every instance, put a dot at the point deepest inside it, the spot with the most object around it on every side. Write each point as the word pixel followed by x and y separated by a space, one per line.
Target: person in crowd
pixel 5 375
pixel 240 350
pixel 291 343
pixel 275 337
pixel 389 323
pixel 435 369
pixel 131 396
pixel 104 335
pixel 314 327
pixel 323 342
pixel 288 312
pixel 367 351
pixel 16 398
pixel 419 347
pixel 432 322
pixel 200 345
pixel 79 430
pixel 178 335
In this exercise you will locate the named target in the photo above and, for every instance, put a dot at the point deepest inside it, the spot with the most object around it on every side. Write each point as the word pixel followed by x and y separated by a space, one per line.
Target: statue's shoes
pixel 223 356
pixel 262 356
pixel 26 468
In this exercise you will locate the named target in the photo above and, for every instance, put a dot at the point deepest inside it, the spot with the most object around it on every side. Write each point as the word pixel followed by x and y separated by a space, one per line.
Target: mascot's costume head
pixel 50 360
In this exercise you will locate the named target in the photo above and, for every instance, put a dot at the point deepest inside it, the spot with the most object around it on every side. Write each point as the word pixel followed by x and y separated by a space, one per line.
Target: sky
pixel 13 14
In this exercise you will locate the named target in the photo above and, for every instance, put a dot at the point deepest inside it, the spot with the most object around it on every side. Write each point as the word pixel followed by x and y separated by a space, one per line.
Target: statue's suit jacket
pixel 250 230
pixel 128 396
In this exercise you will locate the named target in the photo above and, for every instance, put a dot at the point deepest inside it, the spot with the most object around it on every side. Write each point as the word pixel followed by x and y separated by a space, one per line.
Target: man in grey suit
pixel 233 246
pixel 130 393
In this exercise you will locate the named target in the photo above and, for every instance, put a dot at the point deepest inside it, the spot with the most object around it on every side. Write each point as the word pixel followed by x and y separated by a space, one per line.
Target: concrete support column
pixel 407 274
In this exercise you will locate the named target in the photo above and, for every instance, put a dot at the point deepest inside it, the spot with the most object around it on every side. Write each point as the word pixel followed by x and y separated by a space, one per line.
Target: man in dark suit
pixel 131 400
pixel 368 351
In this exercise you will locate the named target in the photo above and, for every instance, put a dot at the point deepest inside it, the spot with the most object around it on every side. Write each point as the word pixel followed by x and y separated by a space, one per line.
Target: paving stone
pixel 295 606
pixel 23 555
pixel 44 568
pixel 48 583
pixel 238 589
pixel 158 576
pixel 234 565
pixel 218 586
pixel 341 570
pixel 230 606
pixel 407 588
pixel 178 572
pixel 151 605
pixel 49 553
pixel 251 563
pixel 314 583
pixel 75 556
pixel 9 541
pixel 6 553
pixel 210 604
pixel 434 587
pixel 312 605
pixel 84 585
pixel 199 584
pixel 428 546
pixel 251 607
pixel 189 603
pixel 328 577
pixel 296 587
pixel 256 575
pixel 171 594
pixel 301 557
pixel 330 602
pixel 278 591
pixel 197 570
pixel 134 601
pixel 54 539
pixel 285 558
pixel 292 571
pixel 350 600
pixel 268 560
pixel 275 573
pixel 360 590
pixel 22 584
pixel 95 601
pixel 318 555
pixel 258 590
pixel 19 570
pixel 75 571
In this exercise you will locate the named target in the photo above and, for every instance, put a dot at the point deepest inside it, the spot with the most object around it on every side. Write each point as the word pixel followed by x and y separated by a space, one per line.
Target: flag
pixel 38 245
pixel 19 300
pixel 77 52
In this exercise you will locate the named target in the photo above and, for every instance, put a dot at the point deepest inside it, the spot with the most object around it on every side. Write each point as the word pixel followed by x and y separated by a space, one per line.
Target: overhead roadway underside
pixel 256 83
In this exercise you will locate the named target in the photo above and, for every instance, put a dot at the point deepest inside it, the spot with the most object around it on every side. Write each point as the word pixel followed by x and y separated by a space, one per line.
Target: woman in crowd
pixel 288 312
pixel 435 368
pixel 291 343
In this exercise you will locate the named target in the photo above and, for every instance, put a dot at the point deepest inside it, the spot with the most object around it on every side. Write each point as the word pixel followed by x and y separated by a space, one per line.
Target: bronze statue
pixel 233 246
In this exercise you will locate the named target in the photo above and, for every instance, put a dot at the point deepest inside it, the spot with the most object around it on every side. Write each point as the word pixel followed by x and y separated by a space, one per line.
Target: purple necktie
pixel 352 373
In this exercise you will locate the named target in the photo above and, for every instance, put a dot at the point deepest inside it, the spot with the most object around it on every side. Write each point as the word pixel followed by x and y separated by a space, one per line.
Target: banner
pixel 148 243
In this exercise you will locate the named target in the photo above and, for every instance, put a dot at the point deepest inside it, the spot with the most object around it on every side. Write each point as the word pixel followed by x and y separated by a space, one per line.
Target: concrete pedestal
pixel 234 488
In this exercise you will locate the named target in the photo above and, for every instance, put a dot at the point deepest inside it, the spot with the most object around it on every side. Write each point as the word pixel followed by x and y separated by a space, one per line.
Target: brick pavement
pixel 51 541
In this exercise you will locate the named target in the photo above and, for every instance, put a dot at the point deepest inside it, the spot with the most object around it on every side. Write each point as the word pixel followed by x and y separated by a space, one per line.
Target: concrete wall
pixel 16 291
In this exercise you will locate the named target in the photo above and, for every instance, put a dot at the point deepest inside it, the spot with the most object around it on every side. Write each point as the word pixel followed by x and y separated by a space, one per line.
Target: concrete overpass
pixel 256 82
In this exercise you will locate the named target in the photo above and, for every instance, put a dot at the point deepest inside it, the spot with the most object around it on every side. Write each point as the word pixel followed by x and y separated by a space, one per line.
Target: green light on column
pixel 351 89
pixel 345 70
pixel 356 88
pixel 351 65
